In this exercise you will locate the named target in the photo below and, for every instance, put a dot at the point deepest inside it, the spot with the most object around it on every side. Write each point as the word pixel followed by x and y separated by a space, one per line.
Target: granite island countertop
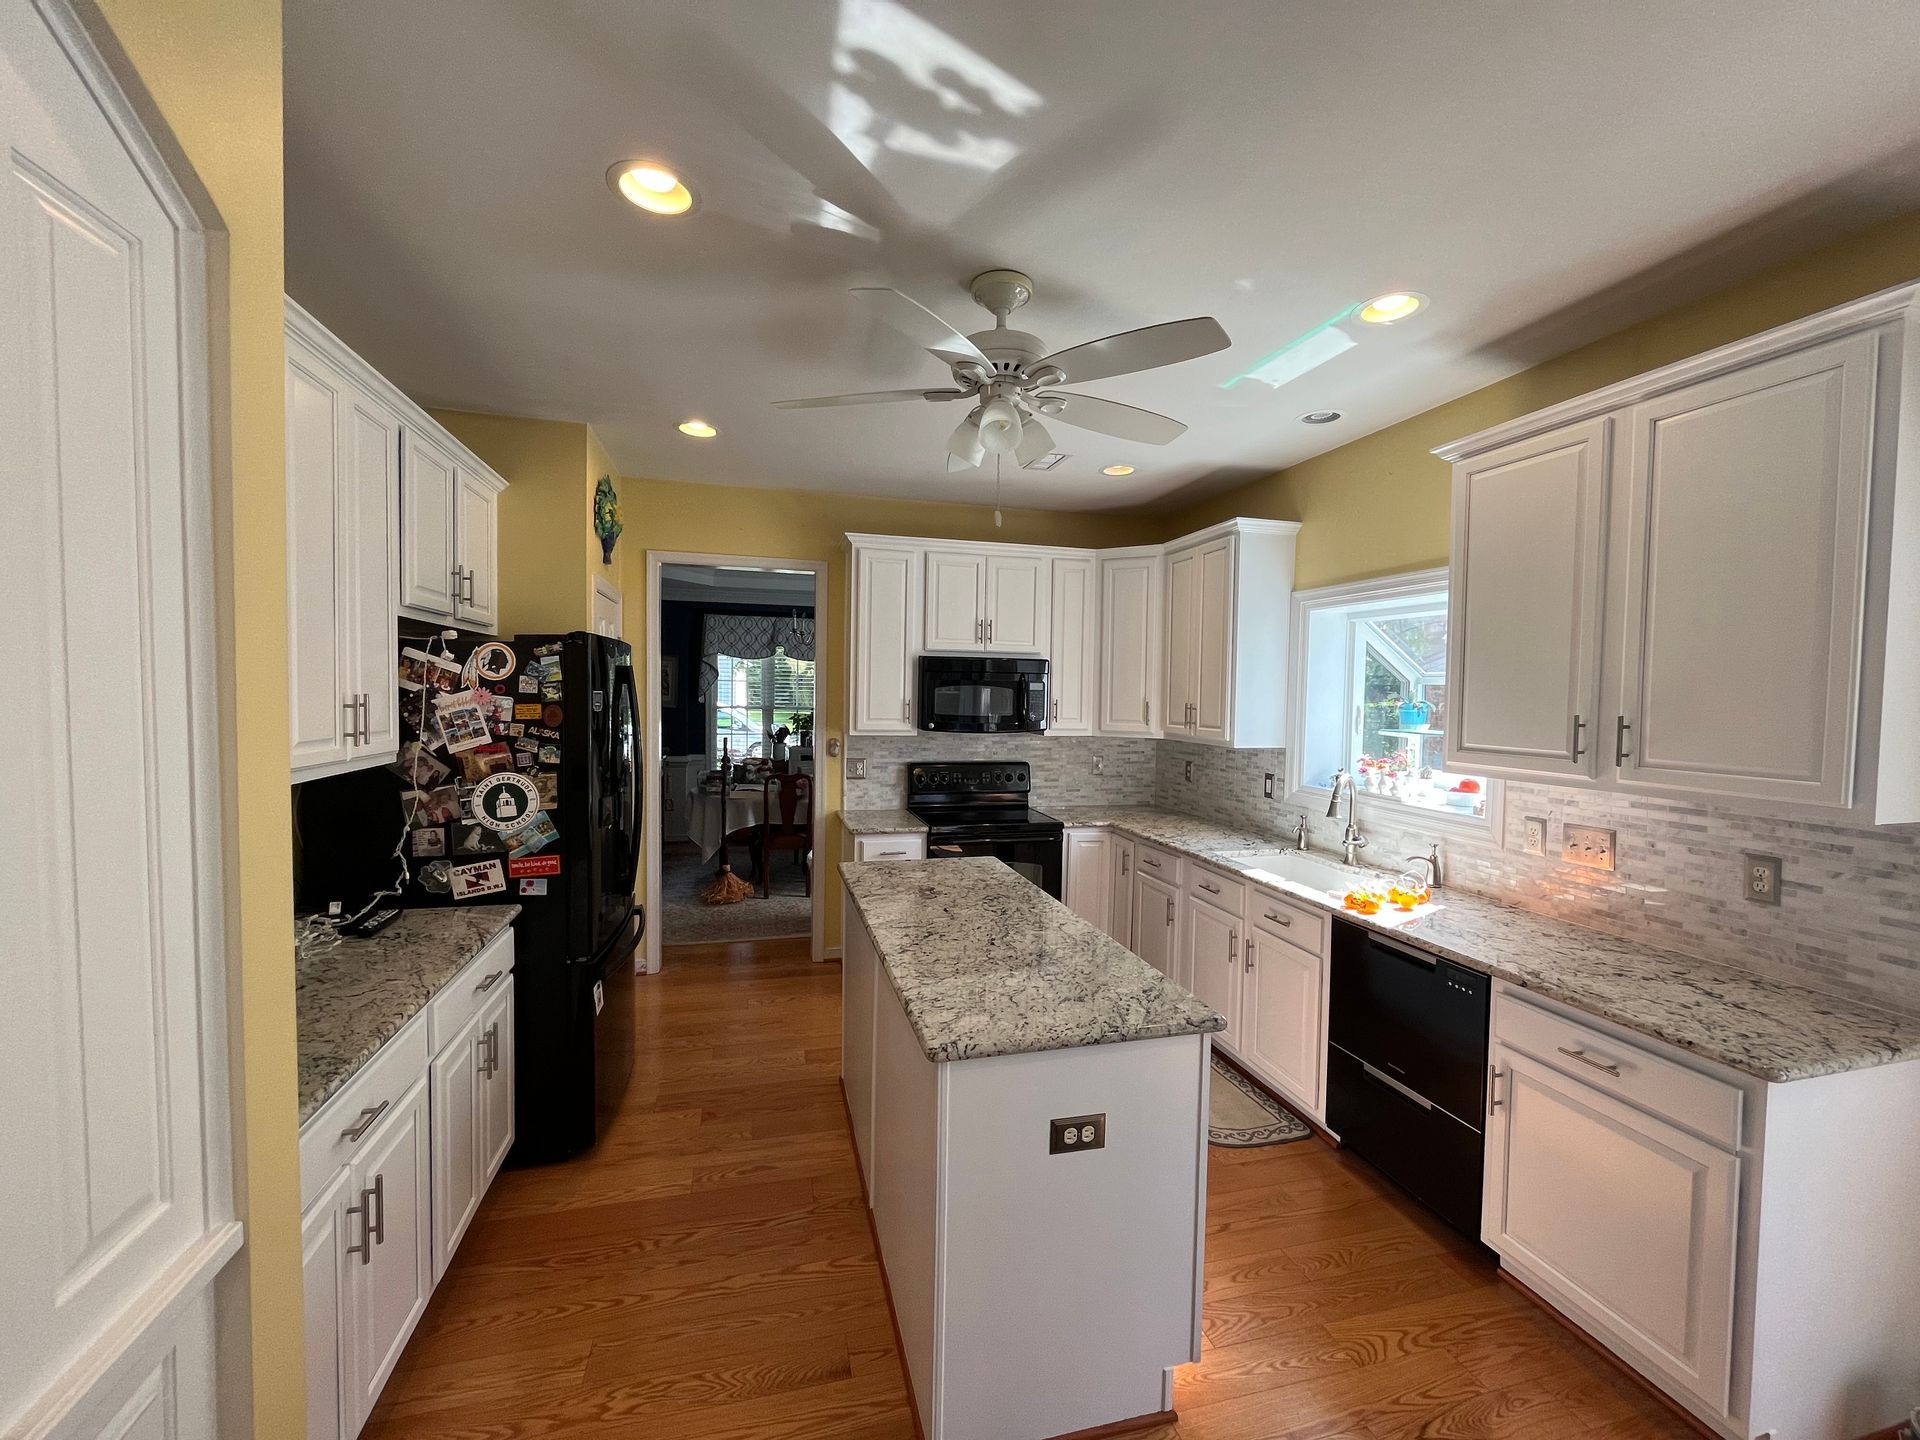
pixel 353 998
pixel 1742 1019
pixel 987 963
pixel 882 822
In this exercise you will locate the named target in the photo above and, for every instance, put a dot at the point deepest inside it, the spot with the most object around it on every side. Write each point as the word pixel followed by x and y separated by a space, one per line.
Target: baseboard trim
pixel 1122 1427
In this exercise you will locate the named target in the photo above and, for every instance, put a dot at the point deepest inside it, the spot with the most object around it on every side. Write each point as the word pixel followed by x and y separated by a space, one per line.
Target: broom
pixel 727 888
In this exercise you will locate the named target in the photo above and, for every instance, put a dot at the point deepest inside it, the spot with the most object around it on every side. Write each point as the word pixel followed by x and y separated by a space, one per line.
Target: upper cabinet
pixel 996 601
pixel 1676 584
pixel 884 614
pixel 1131 618
pixel 1228 590
pixel 477 548
pixel 449 533
pixel 1072 655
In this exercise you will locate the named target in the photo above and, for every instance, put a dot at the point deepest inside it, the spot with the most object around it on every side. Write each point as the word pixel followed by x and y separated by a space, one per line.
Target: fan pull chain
pixel 996 490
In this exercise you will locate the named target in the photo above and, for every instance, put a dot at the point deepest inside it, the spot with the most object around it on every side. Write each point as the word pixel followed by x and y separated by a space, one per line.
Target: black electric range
pixel 979 807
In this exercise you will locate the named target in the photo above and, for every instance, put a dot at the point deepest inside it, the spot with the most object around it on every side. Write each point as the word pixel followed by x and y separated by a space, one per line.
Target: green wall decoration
pixel 606 517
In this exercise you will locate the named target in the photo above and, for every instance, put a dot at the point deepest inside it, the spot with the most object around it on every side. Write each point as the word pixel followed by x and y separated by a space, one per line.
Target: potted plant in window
pixel 1414 713
pixel 802 722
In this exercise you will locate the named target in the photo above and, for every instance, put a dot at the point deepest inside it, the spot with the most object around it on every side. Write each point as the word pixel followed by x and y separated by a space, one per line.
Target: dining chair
pixel 791 830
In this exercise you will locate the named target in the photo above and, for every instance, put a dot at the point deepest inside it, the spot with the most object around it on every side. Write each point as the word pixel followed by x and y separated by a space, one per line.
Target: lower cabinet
pixel 389 1245
pixel 1209 962
pixel 1283 1018
pixel 1120 898
pixel 1156 915
pixel 1087 879
pixel 471 1084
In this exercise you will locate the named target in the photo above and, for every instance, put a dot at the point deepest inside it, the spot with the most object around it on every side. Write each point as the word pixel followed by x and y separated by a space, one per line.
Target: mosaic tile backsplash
pixel 1062 766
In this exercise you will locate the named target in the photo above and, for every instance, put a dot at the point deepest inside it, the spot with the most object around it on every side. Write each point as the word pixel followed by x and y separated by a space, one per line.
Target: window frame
pixel 769 689
pixel 1410 592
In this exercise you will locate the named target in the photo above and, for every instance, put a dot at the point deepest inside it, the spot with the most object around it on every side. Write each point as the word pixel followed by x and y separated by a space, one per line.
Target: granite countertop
pixel 882 822
pixel 1741 1019
pixel 353 998
pixel 987 963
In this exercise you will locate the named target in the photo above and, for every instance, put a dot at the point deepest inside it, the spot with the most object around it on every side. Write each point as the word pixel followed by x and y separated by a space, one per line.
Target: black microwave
pixel 982 693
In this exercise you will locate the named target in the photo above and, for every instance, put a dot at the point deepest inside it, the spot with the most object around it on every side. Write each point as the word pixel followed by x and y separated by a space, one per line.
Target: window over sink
pixel 1370 696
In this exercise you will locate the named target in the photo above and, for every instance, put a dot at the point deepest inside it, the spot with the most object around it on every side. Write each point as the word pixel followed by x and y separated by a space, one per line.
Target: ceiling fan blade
pixel 965 444
pixel 921 325
pixel 1144 349
pixel 1110 417
pixel 1034 441
pixel 869 397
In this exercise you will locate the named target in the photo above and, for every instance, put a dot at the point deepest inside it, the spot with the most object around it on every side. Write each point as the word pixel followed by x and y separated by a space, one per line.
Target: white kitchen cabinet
pixel 389 1234
pixel 906 846
pixel 1073 654
pixel 1087 884
pixel 1120 900
pixel 885 619
pixel 497 1129
pixel 430 577
pixel 454 1085
pixel 1156 914
pixel 678 774
pixel 477 551
pixel 990 600
pixel 1226 639
pixel 342 490
pixel 1132 620
pixel 1526 596
pixel 1208 961
pixel 956 616
pixel 328 1302
pixel 1283 1020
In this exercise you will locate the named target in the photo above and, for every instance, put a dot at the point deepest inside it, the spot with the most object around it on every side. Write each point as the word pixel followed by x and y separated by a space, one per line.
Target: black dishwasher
pixel 1407 1068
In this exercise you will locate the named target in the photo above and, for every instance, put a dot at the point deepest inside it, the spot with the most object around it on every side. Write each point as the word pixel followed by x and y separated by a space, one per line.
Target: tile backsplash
pixel 1848 921
pixel 1063 766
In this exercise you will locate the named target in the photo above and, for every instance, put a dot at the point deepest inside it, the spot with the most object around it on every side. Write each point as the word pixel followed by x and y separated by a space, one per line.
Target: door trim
pixel 651 753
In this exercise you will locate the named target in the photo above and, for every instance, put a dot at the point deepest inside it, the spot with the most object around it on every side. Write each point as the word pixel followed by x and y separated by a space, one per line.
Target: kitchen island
pixel 1029 1107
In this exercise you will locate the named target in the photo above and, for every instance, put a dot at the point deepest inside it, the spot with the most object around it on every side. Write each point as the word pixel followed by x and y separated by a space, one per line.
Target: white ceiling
pixel 1546 171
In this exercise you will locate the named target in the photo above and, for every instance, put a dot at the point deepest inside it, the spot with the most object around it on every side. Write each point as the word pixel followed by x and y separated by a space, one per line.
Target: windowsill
pixel 1488 828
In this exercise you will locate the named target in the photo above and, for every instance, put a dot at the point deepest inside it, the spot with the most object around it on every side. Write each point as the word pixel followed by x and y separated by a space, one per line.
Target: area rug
pixel 1243 1116
pixel 685 919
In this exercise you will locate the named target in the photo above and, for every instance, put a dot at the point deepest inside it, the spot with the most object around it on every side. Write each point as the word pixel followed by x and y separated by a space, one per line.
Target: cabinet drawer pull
pixel 1249 952
pixel 1125 860
pixel 367 1117
pixel 488 983
pixel 1586 1059
pixel 1578 726
pixel 1149 860
pixel 1210 889
pixel 1493 1088
pixel 1285 922
pixel 1392 1084
pixel 1621 725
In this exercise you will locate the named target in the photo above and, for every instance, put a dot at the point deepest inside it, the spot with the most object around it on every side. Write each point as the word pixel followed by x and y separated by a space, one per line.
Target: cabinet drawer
pixel 331 1138
pixel 1690 1099
pixel 460 998
pixel 889 847
pixel 1215 887
pixel 1299 925
pixel 1157 862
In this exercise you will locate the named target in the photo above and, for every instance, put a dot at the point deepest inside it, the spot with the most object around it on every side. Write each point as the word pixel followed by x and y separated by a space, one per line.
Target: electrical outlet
pixel 856 769
pixel 1076 1132
pixel 1587 845
pixel 1760 879
pixel 1269 785
pixel 1536 841
pixel 1189 772
pixel 1099 766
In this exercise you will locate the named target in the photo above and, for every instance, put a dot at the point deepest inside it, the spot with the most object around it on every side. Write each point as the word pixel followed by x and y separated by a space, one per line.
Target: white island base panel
pixel 1036 1294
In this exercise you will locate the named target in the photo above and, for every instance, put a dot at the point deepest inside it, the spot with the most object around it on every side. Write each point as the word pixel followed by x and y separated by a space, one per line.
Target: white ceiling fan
pixel 1012 378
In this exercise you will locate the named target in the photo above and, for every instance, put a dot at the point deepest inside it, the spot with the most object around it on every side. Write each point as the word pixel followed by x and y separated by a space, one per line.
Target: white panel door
pixel 1130 639
pixel 390 1235
pixel 329 1309
pixel 455 1079
pixel 1746 577
pixel 1280 1017
pixel 885 602
pixel 427 564
pixel 1156 909
pixel 1019 589
pixel 370 589
pixel 1072 655
pixel 956 600
pixel 1213 642
pixel 1526 595
pixel 477 551
pixel 1120 902
pixel 1210 961
pixel 1183 640
pixel 1088 883
pixel 1633 1219
pixel 496 1093
pixel 115 1192
pixel 323 708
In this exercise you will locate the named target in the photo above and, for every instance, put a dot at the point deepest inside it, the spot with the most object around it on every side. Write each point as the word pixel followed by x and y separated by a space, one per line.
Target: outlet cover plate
pixel 1535 842
pixel 856 769
pixel 1760 878
pixel 1076 1132
pixel 1189 772
pixel 1588 845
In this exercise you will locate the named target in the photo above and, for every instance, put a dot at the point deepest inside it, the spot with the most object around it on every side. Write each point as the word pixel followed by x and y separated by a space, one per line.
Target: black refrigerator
pixel 519 781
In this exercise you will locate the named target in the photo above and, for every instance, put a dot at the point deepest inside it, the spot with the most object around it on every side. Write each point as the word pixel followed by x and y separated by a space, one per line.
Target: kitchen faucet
pixel 1432 861
pixel 1351 840
pixel 1300 833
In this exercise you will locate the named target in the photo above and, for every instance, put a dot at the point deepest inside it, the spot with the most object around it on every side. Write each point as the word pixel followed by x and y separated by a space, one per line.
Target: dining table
pixel 707 827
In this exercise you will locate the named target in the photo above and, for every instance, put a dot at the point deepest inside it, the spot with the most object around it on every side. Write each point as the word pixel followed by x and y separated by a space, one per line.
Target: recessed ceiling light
pixel 699 429
pixel 651 186
pixel 1320 417
pixel 1118 470
pixel 1385 309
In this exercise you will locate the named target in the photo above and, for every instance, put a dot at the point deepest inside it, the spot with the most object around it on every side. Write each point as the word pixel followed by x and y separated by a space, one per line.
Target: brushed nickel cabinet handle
pixel 1233 946
pixel 1169 911
pixel 365 1248
pixel 1283 921
pixel 377 1227
pixel 366 719
pixel 1586 1059
pixel 351 705
pixel 989 632
pixel 1249 952
pixel 1578 726
pixel 1210 889
pixel 488 983
pixel 1621 725
pixel 1493 1088
pixel 368 1116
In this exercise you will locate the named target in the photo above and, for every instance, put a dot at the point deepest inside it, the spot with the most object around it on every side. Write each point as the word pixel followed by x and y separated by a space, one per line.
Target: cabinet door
pixel 454 1083
pixel 1280 1017
pixel 1210 959
pixel 369 595
pixel 1746 574
pixel 1183 640
pixel 1526 596
pixel 477 551
pixel 390 1222
pixel 1089 876
pixel 1634 1220
pixel 1019 592
pixel 316 565
pixel 1213 642
pixel 426 528
pixel 1071 656
pixel 324 1280
pixel 1120 902
pixel 496 1028
pixel 956 600
pixel 1156 908
pixel 886 591
pixel 1130 641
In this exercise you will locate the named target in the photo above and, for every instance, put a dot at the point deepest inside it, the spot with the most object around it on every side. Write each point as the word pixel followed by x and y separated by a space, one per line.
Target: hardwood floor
pixel 708 1273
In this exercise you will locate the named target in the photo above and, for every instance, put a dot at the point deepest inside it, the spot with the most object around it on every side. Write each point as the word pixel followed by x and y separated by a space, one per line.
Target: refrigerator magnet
pixel 536 834
pixel 527 710
pixel 529 684
pixel 552 715
pixel 522 866
pixel 477 877
pixel 547 782
pixel 504 801
pixel 435 878
pixel 421 671
pixel 428 842
pixel 492 661
pixel 463 722
pixel 533 887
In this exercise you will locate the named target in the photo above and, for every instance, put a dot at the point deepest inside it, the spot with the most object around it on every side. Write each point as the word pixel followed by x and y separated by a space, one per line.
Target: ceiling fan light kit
pixel 1010 375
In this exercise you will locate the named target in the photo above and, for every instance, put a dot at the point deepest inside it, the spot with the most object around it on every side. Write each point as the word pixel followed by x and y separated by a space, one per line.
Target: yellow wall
pixel 1379 505
pixel 808 525
pixel 212 68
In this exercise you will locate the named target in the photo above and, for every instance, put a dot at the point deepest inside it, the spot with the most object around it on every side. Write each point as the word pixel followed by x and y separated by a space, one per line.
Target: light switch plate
pixel 1536 837
pixel 1760 878
pixel 1099 765
pixel 1189 772
pixel 1587 845
pixel 1269 785
pixel 856 769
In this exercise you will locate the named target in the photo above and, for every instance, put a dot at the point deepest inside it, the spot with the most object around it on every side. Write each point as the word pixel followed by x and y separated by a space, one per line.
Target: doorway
pixel 734 843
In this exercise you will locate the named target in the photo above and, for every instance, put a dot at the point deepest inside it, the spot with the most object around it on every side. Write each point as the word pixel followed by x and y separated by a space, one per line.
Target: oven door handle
pixel 946 850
